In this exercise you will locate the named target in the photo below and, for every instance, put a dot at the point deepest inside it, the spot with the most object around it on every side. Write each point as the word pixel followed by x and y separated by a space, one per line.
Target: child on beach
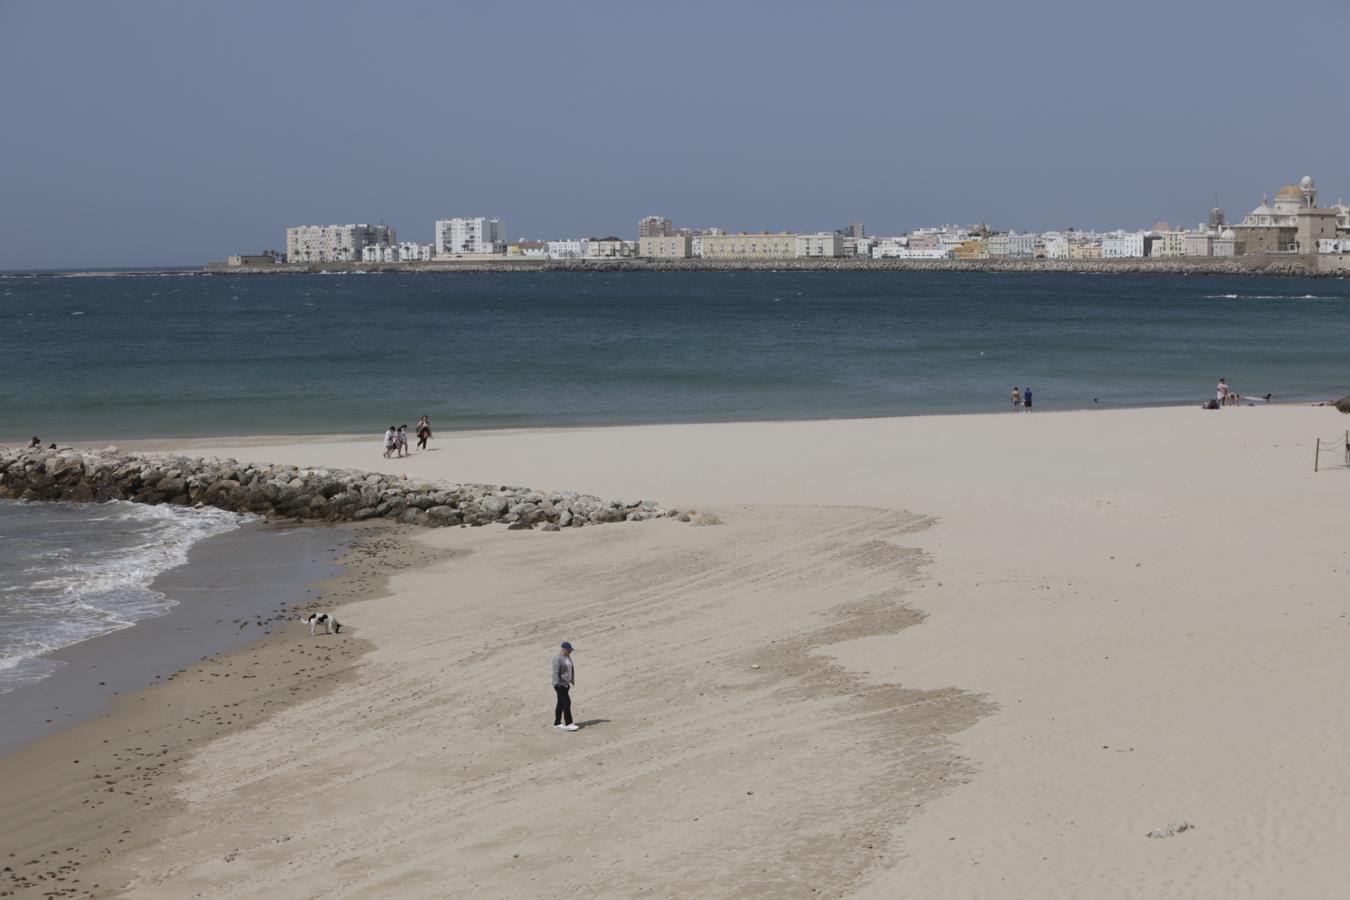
pixel 402 440
pixel 390 441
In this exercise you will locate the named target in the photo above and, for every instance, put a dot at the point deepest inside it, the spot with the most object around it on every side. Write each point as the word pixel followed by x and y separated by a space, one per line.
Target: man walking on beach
pixel 564 678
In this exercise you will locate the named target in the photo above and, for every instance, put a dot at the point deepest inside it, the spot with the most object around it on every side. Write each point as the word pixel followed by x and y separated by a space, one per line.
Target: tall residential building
pixel 335 243
pixel 655 226
pixel 471 235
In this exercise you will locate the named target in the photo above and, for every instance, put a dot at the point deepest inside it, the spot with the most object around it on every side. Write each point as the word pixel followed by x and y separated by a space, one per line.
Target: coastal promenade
pixel 943 657
pixel 1300 266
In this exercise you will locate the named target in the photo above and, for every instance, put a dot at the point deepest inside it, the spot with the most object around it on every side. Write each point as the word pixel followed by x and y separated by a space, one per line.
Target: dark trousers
pixel 562 713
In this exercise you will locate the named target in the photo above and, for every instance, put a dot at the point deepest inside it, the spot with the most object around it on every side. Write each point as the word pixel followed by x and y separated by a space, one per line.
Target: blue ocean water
pixel 74 571
pixel 127 356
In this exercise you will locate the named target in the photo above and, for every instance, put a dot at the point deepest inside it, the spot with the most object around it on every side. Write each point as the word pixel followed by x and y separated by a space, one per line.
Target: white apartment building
pixel 379 253
pixel 565 249
pixel 410 251
pixel 1056 245
pixel 334 243
pixel 822 243
pixel 1123 245
pixel 1022 246
pixel 455 237
pixel 860 246
pixel 892 246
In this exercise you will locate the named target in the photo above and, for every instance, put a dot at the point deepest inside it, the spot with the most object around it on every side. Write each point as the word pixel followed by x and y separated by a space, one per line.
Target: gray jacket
pixel 563 674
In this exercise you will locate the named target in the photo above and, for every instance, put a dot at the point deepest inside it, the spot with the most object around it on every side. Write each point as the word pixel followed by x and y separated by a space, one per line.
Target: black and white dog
pixel 330 624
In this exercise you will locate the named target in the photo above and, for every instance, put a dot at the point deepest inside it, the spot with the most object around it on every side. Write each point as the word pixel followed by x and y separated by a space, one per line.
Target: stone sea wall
pixel 1300 266
pixel 294 492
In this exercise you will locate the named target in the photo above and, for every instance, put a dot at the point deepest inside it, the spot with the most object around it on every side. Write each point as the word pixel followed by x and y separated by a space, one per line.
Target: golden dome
pixel 1290 192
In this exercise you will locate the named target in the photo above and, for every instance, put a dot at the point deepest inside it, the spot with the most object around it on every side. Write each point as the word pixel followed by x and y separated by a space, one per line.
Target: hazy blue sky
pixel 135 133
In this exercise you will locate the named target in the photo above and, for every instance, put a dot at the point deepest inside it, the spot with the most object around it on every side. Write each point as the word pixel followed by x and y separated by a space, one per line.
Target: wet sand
pixel 82 802
pixel 232 591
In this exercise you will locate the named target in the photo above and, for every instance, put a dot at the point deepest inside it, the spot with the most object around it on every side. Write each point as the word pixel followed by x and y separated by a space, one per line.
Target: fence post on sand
pixel 1317 451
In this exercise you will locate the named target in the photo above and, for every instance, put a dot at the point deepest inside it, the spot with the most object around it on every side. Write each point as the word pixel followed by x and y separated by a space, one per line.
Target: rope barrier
pixel 1339 443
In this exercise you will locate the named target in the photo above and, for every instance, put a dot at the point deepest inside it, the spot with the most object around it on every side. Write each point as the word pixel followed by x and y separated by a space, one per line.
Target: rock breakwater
pixel 295 492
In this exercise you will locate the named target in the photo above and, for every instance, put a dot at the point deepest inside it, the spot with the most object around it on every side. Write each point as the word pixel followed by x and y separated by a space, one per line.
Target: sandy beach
pixel 945 656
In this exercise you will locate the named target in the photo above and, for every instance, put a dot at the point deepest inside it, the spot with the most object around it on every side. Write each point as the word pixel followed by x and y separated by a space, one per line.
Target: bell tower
pixel 1309 189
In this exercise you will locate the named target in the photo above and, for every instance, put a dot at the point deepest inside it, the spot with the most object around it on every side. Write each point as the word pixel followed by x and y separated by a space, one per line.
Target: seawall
pixel 293 492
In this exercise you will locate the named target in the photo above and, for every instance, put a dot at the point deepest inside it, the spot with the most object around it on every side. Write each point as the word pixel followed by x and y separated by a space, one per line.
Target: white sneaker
pixel 573 727
pixel 559 725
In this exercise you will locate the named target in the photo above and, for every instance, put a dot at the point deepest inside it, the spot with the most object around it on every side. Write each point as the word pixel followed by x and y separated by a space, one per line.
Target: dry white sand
pixel 1134 618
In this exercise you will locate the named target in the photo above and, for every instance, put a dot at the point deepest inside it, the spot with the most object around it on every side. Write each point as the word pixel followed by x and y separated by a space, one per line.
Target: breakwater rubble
pixel 296 492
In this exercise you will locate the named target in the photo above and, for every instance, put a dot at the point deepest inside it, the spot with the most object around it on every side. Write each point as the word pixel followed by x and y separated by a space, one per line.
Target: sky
pixel 175 132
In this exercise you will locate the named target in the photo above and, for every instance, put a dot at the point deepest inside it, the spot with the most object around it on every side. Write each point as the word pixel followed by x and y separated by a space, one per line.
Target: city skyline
pixel 206 130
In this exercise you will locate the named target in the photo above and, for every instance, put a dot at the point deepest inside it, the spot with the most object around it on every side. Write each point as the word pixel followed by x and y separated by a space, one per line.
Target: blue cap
pixel 567 645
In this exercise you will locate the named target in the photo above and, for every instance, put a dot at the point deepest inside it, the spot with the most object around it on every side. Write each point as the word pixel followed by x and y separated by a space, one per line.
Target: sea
pixel 103 358
pixel 74 571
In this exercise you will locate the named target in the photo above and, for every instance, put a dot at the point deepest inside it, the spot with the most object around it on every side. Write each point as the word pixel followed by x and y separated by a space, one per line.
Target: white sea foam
pixel 78 571
pixel 1269 297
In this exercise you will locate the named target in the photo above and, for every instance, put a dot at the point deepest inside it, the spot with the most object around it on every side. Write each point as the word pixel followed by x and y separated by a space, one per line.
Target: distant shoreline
pixel 1240 266
pixel 1299 267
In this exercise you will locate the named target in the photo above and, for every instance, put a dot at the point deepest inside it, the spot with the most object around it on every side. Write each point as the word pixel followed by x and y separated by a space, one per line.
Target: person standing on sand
pixel 564 679
pixel 402 441
pixel 1026 399
pixel 1221 392
pixel 390 441
pixel 1016 399
pixel 423 432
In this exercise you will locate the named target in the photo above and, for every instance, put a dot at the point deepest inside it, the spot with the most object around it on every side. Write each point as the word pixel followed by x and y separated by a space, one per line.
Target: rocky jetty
pixel 295 492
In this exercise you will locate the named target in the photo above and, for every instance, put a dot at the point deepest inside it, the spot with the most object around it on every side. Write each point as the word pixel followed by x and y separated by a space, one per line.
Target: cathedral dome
pixel 1290 192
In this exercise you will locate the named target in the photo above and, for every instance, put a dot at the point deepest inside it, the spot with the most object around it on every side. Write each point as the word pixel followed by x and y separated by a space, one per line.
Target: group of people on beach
pixel 1226 396
pixel 36 442
pixel 396 438
pixel 1021 399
